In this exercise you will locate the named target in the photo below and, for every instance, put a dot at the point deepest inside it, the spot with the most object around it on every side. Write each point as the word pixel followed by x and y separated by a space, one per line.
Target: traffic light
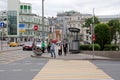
pixel 93 37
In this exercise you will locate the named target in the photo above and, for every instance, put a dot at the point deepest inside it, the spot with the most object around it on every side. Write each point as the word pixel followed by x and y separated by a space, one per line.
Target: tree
pixel 102 35
pixel 90 21
pixel 114 27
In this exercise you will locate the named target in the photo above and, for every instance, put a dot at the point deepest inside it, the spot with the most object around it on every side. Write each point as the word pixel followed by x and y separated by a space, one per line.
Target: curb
pixel 34 56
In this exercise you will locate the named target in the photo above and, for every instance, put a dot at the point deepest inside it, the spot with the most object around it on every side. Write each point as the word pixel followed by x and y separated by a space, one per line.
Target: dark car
pixel 28 46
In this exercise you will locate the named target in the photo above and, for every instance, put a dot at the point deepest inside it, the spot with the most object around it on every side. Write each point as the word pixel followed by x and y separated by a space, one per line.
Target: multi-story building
pixel 21 14
pixel 55 29
pixel 72 19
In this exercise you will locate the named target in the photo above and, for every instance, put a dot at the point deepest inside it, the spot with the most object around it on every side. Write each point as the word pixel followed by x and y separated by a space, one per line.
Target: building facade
pixel 73 19
pixel 22 15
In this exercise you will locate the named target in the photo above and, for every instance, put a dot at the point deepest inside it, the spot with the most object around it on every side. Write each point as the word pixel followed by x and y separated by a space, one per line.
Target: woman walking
pixel 60 49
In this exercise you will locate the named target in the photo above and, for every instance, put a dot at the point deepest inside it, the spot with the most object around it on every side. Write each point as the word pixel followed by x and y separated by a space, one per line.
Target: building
pixel 21 22
pixel 55 29
pixel 74 19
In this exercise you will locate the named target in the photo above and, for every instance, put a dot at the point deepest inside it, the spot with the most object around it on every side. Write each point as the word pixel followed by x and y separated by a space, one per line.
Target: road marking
pixel 17 70
pixel 71 70
pixel 2 70
pixel 11 58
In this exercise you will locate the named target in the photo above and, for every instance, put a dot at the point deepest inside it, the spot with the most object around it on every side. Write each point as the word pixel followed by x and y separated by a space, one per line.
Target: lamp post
pixel 43 33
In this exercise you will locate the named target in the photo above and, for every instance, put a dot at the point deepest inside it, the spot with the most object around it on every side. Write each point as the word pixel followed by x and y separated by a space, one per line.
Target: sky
pixel 52 7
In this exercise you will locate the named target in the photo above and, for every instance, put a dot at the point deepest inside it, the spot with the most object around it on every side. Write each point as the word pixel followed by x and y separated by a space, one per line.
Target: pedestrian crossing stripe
pixel 71 70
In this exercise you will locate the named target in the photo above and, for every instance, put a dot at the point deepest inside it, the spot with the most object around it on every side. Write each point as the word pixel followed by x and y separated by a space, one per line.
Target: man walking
pixel 52 50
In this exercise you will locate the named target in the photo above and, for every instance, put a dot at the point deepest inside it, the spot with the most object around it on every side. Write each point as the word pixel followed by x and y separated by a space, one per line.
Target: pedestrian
pixel 52 50
pixel 59 49
pixel 48 47
pixel 65 47
pixel 43 47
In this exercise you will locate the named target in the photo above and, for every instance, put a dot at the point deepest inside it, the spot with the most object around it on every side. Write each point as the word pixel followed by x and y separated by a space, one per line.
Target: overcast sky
pixel 102 7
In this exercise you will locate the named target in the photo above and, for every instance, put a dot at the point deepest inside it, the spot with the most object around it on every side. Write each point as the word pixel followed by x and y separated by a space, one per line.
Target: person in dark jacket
pixel 60 49
pixel 65 47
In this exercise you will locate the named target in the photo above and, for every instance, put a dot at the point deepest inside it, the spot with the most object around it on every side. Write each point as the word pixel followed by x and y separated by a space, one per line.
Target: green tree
pixel 90 21
pixel 102 35
pixel 114 27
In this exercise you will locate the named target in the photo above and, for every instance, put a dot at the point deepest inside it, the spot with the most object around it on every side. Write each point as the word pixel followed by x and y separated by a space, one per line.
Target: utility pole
pixel 93 33
pixel 43 32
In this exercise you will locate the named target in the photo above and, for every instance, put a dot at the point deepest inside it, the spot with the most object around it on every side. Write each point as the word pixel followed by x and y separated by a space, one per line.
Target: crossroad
pixel 71 70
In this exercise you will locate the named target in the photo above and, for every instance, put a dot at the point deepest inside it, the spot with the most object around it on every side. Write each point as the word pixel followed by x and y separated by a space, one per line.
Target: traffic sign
pixel 2 24
pixel 93 37
pixel 36 27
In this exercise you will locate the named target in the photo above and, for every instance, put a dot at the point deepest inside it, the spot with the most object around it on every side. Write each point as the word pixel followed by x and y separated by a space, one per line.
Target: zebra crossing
pixel 71 70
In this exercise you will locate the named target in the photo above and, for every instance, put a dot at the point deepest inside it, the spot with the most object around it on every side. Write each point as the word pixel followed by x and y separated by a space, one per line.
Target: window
pixel 21 7
pixel 25 7
pixel 29 7
pixel 12 19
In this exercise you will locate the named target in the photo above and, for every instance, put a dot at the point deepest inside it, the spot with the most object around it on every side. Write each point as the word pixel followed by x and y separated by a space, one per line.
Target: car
pixel 39 44
pixel 13 44
pixel 28 46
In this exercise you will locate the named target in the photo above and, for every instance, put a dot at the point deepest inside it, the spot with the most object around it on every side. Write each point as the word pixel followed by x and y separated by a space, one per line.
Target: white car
pixel 39 44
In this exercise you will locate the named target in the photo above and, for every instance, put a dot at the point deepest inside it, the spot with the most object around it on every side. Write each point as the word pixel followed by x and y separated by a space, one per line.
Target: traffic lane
pixel 110 67
pixel 11 56
pixel 24 69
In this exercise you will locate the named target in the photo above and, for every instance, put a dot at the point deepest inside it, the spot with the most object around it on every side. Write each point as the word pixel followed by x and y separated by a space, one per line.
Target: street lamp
pixel 43 33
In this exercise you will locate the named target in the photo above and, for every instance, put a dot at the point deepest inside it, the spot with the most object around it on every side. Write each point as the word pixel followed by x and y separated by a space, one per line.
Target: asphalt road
pixel 19 65
pixel 112 68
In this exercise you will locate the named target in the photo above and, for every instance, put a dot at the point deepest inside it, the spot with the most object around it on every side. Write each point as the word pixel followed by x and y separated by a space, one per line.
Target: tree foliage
pixel 102 35
pixel 89 21
pixel 114 27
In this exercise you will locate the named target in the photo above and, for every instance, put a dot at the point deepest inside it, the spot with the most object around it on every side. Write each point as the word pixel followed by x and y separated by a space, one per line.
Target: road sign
pixel 2 24
pixel 36 27
pixel 21 27
pixel 93 37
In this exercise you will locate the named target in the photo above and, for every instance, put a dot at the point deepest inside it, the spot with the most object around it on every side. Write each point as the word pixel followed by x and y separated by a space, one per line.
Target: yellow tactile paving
pixel 71 70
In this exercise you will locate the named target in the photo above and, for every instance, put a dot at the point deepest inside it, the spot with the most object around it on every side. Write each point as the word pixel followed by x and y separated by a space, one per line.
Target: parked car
pixel 28 46
pixel 13 44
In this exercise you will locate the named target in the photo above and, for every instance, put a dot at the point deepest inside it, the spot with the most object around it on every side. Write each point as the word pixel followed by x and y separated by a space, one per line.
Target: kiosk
pixel 74 42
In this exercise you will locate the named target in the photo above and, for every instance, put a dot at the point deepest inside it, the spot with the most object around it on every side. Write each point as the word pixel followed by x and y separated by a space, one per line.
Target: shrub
pixel 90 47
pixel 112 47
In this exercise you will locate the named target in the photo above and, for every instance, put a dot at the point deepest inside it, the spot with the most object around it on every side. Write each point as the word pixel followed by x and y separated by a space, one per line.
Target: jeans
pixel 53 53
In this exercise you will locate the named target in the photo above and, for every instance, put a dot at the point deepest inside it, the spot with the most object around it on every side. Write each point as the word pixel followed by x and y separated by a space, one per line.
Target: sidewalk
pixel 78 56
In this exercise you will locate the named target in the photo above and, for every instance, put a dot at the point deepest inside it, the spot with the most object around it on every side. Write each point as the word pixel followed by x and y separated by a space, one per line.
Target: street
pixel 19 65
pixel 112 68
